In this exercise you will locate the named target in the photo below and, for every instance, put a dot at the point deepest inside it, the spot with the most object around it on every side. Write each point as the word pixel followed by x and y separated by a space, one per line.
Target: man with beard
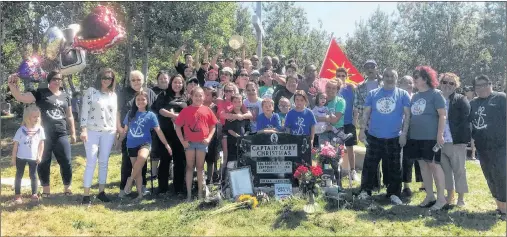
pixel 385 109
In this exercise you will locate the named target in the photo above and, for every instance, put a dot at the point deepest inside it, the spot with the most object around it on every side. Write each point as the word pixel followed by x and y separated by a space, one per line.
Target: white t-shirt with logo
pixel 28 142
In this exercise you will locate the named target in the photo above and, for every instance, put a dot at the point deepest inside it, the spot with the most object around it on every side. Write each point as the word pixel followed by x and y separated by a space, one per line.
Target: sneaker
pixel 407 192
pixel 145 191
pixel 35 198
pixel 353 175
pixel 102 197
pixel 461 203
pixel 18 200
pixel 363 195
pixel 395 200
pixel 122 194
pixel 86 200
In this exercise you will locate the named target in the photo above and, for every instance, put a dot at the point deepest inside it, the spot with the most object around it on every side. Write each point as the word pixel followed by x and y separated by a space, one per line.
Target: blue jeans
pixel 198 146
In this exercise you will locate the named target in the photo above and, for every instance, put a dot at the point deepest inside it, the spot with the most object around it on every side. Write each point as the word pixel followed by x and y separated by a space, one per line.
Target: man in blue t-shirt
pixel 385 110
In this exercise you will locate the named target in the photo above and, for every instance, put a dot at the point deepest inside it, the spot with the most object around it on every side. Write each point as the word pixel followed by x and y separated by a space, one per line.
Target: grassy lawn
pixel 167 215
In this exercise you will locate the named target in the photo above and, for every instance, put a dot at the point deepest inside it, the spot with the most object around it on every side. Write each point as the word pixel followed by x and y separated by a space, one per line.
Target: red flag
pixel 335 58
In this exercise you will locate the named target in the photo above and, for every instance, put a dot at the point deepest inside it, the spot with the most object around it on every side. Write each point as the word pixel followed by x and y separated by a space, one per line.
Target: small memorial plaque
pixel 282 191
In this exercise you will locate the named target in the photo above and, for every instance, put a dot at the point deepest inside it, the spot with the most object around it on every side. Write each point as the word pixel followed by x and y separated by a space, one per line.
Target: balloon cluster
pixel 67 49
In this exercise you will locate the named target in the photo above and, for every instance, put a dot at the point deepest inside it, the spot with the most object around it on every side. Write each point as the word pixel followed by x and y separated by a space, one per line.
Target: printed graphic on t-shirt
pixel 195 127
pixel 301 124
pixel 418 107
pixel 479 122
pixel 387 105
pixel 137 129
pixel 56 113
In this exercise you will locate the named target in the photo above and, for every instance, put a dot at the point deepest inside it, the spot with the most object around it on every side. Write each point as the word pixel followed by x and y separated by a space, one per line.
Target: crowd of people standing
pixel 417 120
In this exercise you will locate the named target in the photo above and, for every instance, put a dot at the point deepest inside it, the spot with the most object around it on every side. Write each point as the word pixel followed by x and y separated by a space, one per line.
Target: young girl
pixel 300 120
pixel 27 149
pixel 224 107
pixel 198 122
pixel 138 124
pixel 320 111
pixel 211 79
pixel 267 89
pixel 268 122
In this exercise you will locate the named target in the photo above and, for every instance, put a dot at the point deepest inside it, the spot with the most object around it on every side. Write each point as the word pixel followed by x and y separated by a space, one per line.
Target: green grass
pixel 167 215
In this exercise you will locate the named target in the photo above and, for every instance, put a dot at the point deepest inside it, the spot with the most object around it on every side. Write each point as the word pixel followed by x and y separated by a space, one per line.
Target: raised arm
pixel 178 54
pixel 26 98
pixel 197 61
pixel 215 59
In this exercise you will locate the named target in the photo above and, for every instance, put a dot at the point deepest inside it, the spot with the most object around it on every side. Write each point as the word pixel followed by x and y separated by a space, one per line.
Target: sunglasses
pixel 56 79
pixel 228 91
pixel 448 82
pixel 243 75
pixel 107 78
pixel 341 76
pixel 135 80
pixel 226 74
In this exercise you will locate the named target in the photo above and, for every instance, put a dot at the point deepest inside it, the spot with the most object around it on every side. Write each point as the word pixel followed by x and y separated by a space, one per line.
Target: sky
pixel 340 17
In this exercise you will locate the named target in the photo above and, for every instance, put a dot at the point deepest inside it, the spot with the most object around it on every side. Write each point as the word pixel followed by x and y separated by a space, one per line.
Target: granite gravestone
pixel 273 158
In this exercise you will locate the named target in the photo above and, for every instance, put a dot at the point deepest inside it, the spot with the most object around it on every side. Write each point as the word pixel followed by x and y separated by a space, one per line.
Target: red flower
pixel 316 171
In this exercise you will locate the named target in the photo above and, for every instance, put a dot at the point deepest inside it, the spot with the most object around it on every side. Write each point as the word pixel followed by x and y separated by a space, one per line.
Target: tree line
pixel 461 37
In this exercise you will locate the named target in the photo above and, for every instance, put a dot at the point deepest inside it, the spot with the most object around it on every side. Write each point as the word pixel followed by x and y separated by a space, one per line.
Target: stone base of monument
pixel 360 152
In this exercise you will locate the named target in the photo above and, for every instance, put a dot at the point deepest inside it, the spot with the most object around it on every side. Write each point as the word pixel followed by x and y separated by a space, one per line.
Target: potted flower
pixel 329 156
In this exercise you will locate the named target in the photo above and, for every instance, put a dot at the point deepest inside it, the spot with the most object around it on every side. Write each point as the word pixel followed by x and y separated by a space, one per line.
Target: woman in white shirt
pixel 98 130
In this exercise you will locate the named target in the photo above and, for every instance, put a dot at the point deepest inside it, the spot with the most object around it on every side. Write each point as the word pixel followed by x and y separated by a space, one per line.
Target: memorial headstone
pixel 273 158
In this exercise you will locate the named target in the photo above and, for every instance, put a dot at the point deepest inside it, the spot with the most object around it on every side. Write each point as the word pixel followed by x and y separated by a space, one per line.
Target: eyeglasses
pixel 228 91
pixel 226 74
pixel 284 106
pixel 243 75
pixel 107 78
pixel 135 80
pixel 448 82
pixel 369 66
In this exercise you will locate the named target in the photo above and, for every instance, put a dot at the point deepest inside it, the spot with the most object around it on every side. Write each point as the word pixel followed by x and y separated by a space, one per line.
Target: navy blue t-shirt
pixel 140 128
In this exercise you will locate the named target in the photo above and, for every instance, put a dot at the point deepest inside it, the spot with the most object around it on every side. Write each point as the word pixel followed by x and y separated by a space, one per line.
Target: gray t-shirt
pixel 424 119
pixel 487 116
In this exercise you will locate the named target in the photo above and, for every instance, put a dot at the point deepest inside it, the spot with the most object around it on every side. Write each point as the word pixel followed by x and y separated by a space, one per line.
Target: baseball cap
pixel 370 61
pixel 227 69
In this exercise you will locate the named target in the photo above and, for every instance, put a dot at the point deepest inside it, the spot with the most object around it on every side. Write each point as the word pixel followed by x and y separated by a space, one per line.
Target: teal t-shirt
pixel 266 92
pixel 337 106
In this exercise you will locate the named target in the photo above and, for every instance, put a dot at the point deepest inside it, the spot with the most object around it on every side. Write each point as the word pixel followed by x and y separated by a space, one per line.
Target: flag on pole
pixel 335 58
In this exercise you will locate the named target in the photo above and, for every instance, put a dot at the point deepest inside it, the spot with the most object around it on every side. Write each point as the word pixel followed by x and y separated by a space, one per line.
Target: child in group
pixel 254 104
pixel 27 149
pixel 191 84
pixel 138 124
pixel 224 108
pixel 284 107
pixel 300 120
pixel 235 129
pixel 198 123
pixel 321 111
pixel 211 158
pixel 267 89
pixel 211 79
pixel 268 122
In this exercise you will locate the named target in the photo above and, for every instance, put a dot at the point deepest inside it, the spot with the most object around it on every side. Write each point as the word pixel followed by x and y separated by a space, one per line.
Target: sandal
pixel 67 193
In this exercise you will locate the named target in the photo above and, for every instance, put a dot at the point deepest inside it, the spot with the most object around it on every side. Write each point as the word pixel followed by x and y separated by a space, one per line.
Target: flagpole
pixel 327 52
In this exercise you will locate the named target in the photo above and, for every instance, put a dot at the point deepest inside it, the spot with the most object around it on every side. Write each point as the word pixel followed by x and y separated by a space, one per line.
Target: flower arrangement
pixel 328 151
pixel 308 177
pixel 243 201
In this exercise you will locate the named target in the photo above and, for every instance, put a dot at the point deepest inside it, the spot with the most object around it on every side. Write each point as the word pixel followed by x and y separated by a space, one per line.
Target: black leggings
pixel 60 147
pixel 126 166
pixel 179 162
pixel 20 170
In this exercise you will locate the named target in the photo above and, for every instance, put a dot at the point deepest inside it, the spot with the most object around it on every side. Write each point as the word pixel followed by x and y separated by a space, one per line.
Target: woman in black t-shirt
pixel 56 112
pixel 168 107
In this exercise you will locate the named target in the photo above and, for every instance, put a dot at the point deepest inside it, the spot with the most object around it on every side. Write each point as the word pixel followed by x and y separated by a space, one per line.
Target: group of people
pixel 189 117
